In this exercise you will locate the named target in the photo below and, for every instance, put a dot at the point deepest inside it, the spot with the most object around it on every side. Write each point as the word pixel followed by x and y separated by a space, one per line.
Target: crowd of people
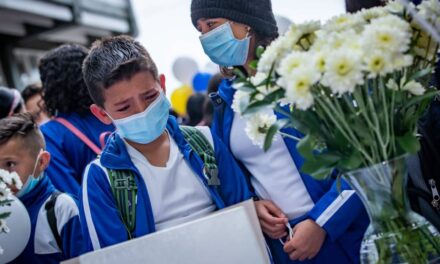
pixel 96 144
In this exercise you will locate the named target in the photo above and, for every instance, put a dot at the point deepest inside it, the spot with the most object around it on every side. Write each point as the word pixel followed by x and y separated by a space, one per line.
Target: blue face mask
pixel 147 126
pixel 31 181
pixel 223 48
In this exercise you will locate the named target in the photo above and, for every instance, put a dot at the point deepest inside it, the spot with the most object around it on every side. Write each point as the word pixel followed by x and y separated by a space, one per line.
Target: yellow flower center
pixel 377 64
pixel 343 68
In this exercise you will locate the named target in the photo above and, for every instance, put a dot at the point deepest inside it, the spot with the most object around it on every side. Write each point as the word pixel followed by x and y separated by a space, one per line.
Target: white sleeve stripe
pixel 65 209
pixel 90 226
pixel 334 207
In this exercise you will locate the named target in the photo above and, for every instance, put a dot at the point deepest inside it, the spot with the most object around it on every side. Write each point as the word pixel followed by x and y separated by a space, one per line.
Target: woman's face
pixel 205 25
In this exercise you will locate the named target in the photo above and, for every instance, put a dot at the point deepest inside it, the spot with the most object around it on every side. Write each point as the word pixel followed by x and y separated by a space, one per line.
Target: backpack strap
pixel 52 218
pixel 205 151
pixel 124 191
pixel 79 134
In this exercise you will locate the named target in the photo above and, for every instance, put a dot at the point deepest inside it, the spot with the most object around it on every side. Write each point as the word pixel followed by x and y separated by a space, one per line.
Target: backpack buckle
pixel 211 174
pixel 126 183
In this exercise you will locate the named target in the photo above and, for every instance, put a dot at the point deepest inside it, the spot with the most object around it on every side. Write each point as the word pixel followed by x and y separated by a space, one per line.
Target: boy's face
pixel 129 97
pixel 16 156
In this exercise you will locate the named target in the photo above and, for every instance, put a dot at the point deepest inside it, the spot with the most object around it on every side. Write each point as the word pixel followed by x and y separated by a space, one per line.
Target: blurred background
pixel 29 28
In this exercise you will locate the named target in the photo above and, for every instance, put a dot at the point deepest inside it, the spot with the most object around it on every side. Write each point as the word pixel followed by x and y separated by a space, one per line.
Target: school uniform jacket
pixel 339 212
pixel 70 155
pixel 42 247
pixel 104 226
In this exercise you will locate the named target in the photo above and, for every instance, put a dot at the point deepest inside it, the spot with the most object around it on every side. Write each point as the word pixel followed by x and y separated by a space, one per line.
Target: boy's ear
pixel 100 114
pixel 43 163
pixel 162 81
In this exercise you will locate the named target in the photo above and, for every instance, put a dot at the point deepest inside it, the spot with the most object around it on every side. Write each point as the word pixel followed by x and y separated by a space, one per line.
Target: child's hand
pixel 272 219
pixel 306 242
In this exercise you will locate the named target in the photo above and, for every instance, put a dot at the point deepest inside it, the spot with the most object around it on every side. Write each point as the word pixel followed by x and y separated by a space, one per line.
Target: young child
pixel 169 177
pixel 55 226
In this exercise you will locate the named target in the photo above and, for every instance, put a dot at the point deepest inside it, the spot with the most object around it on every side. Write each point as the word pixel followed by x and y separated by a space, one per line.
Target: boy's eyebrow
pixel 7 157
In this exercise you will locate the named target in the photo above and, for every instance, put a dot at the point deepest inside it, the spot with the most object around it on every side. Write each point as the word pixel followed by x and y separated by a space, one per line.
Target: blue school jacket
pixel 103 225
pixel 70 155
pixel 342 215
pixel 42 247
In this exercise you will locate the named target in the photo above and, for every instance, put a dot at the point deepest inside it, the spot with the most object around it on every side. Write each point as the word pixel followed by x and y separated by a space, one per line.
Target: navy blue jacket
pixel 42 247
pixel 70 155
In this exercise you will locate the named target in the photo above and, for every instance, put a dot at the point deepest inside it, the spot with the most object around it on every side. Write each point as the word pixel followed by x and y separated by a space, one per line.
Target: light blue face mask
pixel 223 48
pixel 146 126
pixel 31 181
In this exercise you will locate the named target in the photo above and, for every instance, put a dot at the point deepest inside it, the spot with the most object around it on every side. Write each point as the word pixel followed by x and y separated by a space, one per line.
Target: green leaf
pixel 259 51
pixel 416 99
pixel 351 162
pixel 306 146
pixel 4 215
pixel 420 74
pixel 239 73
pixel 270 135
pixel 256 106
pixel 409 143
pixel 253 64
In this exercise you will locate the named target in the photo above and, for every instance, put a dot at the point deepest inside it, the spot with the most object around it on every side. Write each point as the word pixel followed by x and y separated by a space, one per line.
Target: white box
pixel 229 236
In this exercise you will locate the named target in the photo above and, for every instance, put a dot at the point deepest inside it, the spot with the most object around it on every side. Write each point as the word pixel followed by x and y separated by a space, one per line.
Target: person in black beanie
pixel 11 102
pixel 327 229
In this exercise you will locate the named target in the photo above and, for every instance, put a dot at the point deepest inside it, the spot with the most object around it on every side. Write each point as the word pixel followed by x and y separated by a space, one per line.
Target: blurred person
pixel 73 136
pixel 55 226
pixel 11 102
pixel 32 96
pixel 159 162
pixel 194 109
pixel 208 107
pixel 328 220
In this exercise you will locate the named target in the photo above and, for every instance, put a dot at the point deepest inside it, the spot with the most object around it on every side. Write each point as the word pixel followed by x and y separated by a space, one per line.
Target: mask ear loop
pixel 289 236
pixel 36 162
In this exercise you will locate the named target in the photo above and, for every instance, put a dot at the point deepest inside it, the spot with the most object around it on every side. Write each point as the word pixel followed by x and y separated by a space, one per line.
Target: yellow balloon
pixel 179 98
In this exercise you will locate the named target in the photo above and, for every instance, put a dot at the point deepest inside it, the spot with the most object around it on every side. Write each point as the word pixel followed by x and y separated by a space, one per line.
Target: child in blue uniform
pixel 66 98
pixel 22 151
pixel 328 223
pixel 171 186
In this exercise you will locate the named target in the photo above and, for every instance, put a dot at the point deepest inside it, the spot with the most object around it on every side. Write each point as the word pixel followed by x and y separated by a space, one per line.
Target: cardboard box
pixel 229 236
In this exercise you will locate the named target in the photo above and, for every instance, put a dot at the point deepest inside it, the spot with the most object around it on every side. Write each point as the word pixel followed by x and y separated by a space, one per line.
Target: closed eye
pixel 124 108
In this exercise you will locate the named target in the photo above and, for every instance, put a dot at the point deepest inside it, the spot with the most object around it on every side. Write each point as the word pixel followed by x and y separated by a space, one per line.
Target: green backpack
pixel 124 186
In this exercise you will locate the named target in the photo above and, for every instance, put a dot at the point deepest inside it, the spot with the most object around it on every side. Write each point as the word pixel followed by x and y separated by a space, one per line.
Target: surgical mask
pixel 31 181
pixel 223 48
pixel 145 127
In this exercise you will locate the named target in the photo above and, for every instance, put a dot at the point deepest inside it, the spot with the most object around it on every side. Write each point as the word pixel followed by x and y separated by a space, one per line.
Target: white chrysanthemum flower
pixel 388 33
pixel 272 54
pixel 294 60
pixel 309 27
pixel 392 85
pixel 5 176
pixel 430 10
pixel 319 61
pixel 240 101
pixel 377 63
pixel 343 71
pixel 372 13
pixel 5 193
pixel 3 227
pixel 395 7
pixel 299 84
pixel 344 22
pixel 328 42
pixel 414 87
pixel 258 78
pixel 257 126
pixel 400 61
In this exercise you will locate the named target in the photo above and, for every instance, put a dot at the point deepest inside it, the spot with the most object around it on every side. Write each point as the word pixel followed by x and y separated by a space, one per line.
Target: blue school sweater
pixel 69 154
pixel 42 247
pixel 103 225
pixel 343 217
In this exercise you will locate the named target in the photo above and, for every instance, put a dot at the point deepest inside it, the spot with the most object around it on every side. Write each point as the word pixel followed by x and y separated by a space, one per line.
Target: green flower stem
pixel 289 136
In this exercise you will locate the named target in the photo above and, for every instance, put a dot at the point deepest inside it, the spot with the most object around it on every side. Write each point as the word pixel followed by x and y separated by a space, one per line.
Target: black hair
pixel 64 89
pixel 194 108
pixel 23 126
pixel 352 6
pixel 114 59
pixel 7 99
pixel 30 91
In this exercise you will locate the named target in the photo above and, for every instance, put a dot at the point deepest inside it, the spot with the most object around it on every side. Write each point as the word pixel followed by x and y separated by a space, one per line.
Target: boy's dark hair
pixel 30 91
pixel 7 98
pixel 64 89
pixel 194 108
pixel 112 60
pixel 24 126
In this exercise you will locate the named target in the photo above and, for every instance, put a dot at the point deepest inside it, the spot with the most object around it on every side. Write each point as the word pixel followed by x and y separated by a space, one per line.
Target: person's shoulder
pixel 65 209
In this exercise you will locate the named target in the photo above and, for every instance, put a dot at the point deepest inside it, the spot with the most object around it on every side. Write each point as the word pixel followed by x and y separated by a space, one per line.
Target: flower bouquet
pixel 7 179
pixel 356 87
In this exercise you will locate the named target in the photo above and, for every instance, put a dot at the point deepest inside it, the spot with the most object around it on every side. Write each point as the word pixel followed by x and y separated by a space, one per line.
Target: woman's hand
pixel 272 219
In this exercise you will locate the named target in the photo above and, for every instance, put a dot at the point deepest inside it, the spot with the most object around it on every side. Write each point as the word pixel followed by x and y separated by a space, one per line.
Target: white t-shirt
pixel 274 174
pixel 176 193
